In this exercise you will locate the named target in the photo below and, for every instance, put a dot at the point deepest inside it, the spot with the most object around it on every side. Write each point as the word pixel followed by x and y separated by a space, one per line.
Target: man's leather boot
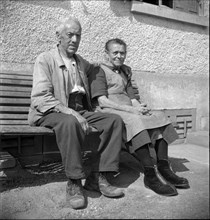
pixel 166 171
pixel 74 194
pixel 154 181
pixel 98 182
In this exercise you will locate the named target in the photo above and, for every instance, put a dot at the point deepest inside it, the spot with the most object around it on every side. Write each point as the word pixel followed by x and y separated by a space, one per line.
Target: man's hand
pixel 83 122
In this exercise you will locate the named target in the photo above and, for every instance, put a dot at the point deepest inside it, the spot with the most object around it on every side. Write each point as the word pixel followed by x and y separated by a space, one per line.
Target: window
pixel 190 11
pixel 168 3
pixel 189 6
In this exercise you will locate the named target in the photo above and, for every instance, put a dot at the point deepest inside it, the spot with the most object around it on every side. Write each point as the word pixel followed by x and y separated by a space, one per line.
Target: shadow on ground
pixel 40 174
pixel 131 169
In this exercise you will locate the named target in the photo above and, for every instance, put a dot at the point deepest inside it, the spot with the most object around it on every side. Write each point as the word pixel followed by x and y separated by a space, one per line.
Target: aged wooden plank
pixel 13 116
pixel 181 118
pixel 15 88
pixel 15 100
pixel 5 81
pixel 16 74
pixel 182 125
pixel 15 93
pixel 28 130
pixel 24 130
pixel 13 122
pixel 14 109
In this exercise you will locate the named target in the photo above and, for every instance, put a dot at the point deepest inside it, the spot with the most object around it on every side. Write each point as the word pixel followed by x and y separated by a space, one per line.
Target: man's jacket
pixel 51 83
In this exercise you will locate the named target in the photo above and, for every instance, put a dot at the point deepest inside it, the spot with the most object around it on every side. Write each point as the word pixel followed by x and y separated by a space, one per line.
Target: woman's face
pixel 116 54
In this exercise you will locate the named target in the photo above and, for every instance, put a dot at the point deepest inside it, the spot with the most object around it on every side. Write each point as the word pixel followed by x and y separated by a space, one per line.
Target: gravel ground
pixel 39 193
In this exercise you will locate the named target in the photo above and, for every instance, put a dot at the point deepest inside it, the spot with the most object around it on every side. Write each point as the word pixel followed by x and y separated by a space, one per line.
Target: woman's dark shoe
pixel 166 171
pixel 98 182
pixel 154 181
pixel 74 194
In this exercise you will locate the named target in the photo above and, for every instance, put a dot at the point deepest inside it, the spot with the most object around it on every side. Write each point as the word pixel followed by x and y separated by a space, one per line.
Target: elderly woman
pixel 148 133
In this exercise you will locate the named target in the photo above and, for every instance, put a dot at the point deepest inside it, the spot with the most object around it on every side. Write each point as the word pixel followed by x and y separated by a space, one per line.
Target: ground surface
pixel 39 193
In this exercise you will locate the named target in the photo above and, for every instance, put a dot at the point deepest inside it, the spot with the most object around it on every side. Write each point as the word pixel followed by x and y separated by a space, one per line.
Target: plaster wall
pixel 167 50
pixel 175 92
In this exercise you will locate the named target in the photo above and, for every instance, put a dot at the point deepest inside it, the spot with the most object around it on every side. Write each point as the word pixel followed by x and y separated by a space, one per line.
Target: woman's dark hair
pixel 115 41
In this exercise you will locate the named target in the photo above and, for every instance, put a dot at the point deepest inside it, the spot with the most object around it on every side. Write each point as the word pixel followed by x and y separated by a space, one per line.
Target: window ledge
pixel 165 12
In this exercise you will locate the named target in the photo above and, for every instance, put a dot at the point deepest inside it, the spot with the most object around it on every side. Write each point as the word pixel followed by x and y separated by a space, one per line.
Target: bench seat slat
pixel 24 130
pixel 29 130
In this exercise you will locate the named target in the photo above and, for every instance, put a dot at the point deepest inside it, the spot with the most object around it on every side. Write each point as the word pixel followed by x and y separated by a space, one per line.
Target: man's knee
pixel 116 119
pixel 69 121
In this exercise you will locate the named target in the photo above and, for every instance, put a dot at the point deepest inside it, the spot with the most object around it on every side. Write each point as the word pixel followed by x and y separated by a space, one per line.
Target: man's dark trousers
pixel 70 140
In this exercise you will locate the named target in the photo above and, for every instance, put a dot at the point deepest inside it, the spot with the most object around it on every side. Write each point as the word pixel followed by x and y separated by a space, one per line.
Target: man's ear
pixel 58 36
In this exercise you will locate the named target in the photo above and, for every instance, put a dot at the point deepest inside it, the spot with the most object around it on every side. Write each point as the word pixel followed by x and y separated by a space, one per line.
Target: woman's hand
pixel 143 109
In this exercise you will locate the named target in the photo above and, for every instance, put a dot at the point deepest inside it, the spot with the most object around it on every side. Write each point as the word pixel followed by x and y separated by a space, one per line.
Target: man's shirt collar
pixel 60 60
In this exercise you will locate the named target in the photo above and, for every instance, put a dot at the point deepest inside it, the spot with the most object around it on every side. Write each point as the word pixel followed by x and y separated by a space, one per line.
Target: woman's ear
pixel 106 55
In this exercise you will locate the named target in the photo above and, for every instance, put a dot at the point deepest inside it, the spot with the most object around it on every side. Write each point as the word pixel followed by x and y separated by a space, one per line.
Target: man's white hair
pixel 65 22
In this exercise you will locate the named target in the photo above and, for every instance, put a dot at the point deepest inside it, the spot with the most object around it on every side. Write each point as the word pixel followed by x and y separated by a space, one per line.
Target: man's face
pixel 69 38
pixel 116 54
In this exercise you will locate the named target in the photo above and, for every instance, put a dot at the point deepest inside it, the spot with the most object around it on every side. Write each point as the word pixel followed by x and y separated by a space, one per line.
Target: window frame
pixel 170 13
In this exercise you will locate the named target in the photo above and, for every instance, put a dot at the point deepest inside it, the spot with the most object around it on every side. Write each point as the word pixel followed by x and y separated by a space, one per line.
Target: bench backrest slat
pixel 15 92
pixel 15 88
pixel 16 75
pixel 21 82
pixel 13 122
pixel 13 116
pixel 14 101
pixel 11 109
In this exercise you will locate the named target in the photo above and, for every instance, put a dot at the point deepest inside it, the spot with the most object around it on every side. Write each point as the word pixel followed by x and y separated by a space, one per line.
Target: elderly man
pixel 60 100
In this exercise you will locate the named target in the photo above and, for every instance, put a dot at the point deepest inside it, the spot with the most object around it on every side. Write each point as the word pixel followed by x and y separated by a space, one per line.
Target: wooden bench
pixel 30 144
pixel 15 91
pixel 15 94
